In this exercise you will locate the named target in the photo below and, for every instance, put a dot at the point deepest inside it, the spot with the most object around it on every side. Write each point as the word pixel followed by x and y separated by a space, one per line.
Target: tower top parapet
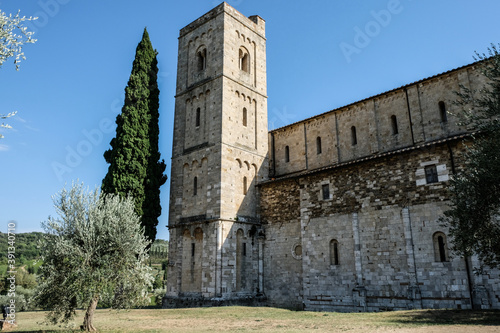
pixel 254 22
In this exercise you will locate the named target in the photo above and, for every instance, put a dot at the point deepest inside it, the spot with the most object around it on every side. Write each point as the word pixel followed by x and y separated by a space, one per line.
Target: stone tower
pixel 219 155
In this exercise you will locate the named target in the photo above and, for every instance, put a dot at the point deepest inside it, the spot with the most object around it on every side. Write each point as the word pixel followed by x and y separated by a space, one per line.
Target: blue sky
pixel 321 54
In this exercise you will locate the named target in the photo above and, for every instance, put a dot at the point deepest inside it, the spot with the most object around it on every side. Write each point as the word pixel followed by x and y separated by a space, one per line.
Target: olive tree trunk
pixel 89 316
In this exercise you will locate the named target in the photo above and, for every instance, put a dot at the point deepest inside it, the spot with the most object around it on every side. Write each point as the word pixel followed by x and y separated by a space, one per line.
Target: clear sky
pixel 321 54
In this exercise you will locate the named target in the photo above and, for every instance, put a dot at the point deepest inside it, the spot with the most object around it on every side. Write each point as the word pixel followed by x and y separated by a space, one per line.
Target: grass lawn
pixel 263 319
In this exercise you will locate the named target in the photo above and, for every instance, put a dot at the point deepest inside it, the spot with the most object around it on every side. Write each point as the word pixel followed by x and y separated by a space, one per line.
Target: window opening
pixel 202 59
pixel 431 175
pixel 394 123
pixel 198 117
pixel 244 61
pixel 325 189
pixel 245 117
pixel 354 139
pixel 318 145
pixel 442 112
pixel 334 252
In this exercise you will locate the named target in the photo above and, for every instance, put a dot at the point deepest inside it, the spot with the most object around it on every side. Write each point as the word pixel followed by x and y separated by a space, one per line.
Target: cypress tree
pixel 135 167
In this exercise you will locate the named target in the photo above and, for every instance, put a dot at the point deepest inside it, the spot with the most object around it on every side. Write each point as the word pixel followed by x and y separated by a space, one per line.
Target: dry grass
pixel 244 319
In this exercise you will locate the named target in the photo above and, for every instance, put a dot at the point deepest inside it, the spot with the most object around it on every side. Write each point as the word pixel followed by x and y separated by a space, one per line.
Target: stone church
pixel 338 212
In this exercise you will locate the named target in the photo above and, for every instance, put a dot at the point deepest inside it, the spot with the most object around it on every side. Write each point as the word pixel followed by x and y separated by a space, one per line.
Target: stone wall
pixel 416 113
pixel 385 223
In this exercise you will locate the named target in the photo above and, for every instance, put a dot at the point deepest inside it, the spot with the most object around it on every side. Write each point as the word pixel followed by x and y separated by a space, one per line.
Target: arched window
pixel 245 117
pixel 195 186
pixel 442 112
pixel 287 154
pixel 318 145
pixel 394 125
pixel 244 60
pixel 354 139
pixel 202 59
pixel 334 252
pixel 198 117
pixel 440 247
pixel 245 185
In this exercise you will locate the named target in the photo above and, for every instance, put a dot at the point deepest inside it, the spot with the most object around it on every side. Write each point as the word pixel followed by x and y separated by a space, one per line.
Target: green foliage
pixel 159 250
pixel 26 245
pixel 95 251
pixel 135 168
pixel 475 192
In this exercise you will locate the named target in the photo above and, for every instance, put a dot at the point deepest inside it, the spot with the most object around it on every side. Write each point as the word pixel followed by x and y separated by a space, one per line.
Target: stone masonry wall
pixel 385 222
pixel 392 120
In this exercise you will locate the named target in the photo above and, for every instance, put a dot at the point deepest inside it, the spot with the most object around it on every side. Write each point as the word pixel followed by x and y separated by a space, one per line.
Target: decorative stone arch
pixel 247 165
pixel 254 168
pixel 240 164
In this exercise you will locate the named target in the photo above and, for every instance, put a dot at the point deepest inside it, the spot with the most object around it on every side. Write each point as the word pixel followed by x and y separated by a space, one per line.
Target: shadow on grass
pixel 450 317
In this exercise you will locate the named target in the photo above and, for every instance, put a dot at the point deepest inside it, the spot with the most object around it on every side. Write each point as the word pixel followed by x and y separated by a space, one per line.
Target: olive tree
pixel 95 250
pixel 13 35
pixel 473 218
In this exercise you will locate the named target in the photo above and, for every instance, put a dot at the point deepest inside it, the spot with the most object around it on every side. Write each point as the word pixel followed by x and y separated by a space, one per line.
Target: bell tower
pixel 219 155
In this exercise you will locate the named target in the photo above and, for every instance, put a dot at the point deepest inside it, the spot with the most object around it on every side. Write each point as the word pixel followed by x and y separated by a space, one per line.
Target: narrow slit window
pixel 287 154
pixel 440 247
pixel 192 249
pixel 394 125
pixel 354 138
pixel 244 249
pixel 245 185
pixel 442 112
pixel 318 145
pixel 431 175
pixel 334 252
pixel 195 186
pixel 245 117
pixel 198 117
